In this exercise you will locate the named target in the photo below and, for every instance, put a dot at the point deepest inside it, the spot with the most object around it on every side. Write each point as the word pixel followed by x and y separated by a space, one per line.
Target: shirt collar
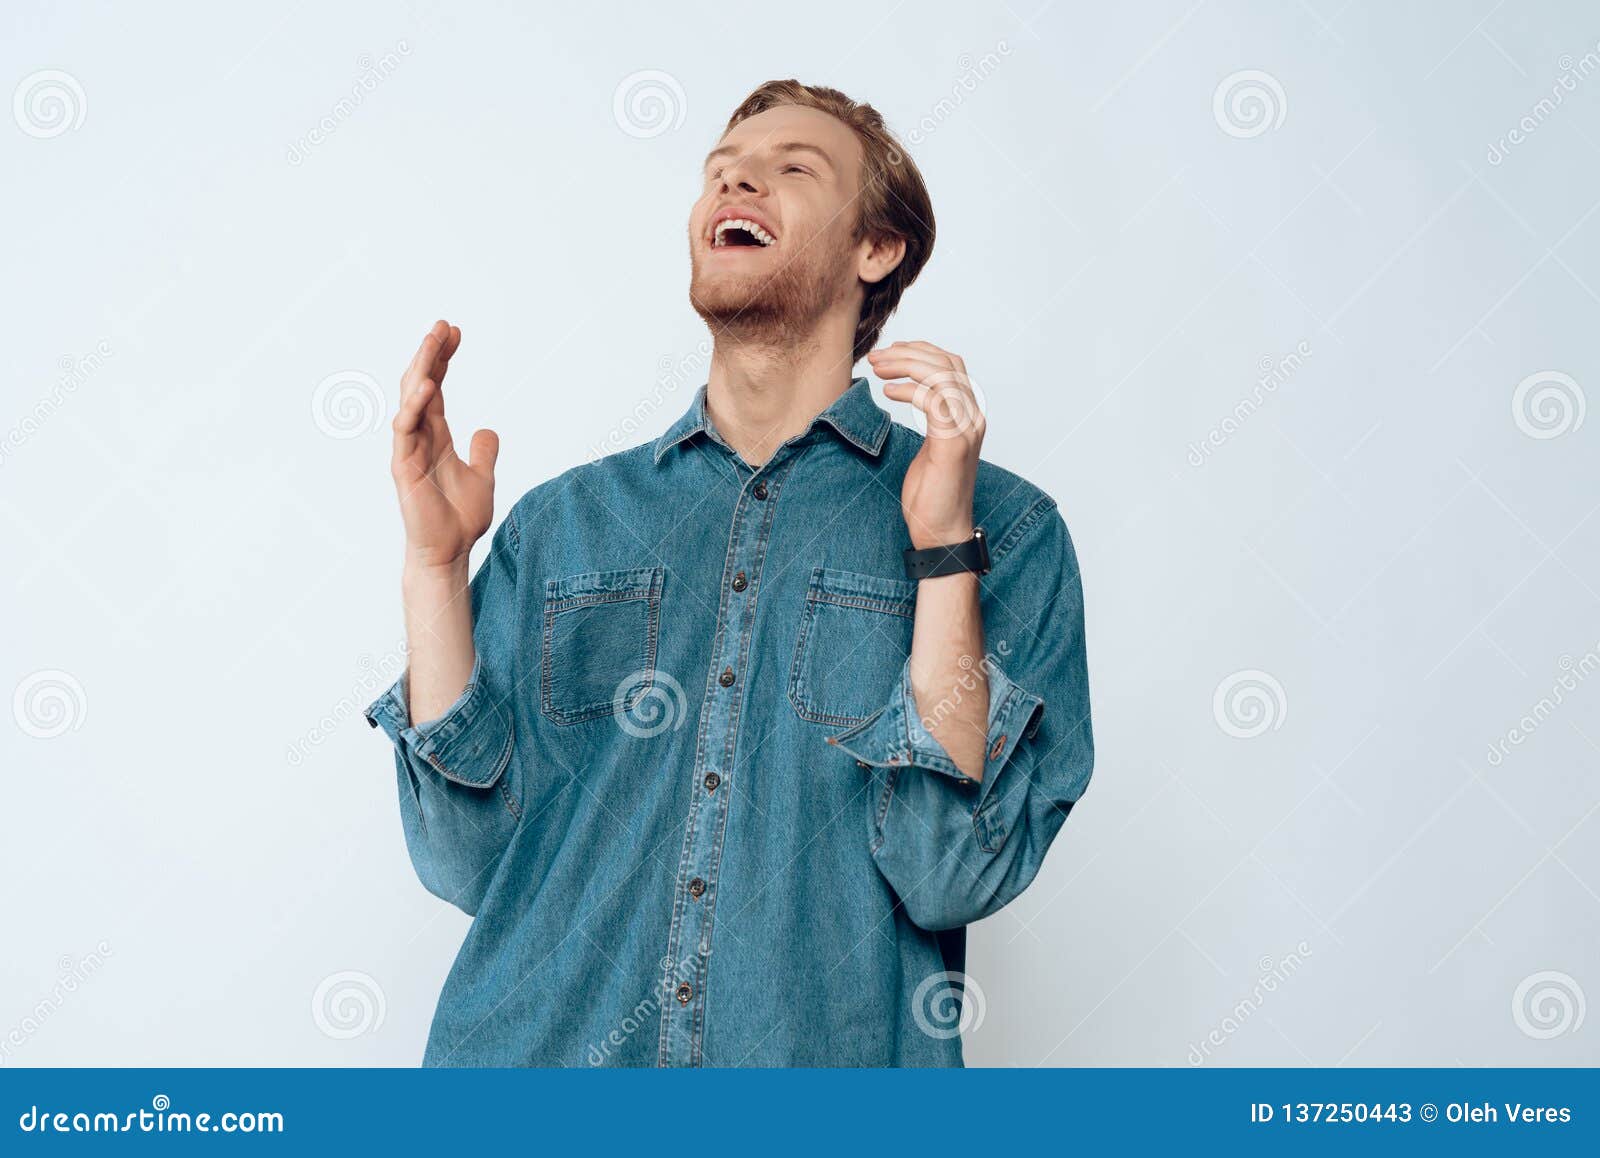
pixel 855 415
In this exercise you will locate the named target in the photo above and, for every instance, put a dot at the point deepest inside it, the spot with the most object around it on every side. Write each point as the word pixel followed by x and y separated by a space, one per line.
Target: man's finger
pixel 483 452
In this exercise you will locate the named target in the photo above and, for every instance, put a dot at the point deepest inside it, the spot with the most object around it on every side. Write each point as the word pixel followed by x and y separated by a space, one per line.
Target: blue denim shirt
pixel 687 792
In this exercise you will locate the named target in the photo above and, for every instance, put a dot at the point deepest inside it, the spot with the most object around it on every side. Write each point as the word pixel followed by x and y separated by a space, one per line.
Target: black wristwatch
pixel 973 555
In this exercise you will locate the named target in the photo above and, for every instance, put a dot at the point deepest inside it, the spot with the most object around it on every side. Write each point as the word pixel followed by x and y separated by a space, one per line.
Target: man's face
pixel 790 177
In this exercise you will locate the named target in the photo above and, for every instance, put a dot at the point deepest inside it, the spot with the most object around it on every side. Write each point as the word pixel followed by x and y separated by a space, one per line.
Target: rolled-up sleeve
pixel 956 849
pixel 459 790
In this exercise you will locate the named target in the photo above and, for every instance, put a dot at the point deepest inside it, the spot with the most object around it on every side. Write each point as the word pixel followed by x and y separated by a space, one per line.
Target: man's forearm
pixel 948 677
pixel 438 636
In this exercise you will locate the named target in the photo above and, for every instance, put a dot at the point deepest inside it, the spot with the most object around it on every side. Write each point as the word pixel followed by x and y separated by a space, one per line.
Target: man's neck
pixel 760 395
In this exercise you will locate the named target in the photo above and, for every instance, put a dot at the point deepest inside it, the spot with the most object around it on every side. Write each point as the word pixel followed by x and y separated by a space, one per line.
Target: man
pixel 733 733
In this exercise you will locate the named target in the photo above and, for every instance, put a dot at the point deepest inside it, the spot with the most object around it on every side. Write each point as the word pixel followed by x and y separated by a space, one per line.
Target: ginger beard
pixel 772 303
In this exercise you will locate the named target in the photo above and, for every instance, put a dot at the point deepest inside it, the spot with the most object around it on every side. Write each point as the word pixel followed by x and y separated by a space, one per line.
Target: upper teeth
pixel 749 227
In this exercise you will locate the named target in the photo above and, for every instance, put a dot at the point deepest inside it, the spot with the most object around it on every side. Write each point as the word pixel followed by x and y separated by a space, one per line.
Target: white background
pixel 207 546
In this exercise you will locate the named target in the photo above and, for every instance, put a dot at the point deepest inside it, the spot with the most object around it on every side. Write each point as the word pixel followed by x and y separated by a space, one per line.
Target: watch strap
pixel 931 562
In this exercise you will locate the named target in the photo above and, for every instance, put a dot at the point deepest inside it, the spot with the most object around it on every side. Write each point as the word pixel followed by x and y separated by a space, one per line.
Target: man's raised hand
pixel 445 503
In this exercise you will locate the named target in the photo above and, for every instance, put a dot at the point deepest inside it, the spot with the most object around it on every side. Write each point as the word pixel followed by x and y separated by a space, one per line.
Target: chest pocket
pixel 855 635
pixel 600 635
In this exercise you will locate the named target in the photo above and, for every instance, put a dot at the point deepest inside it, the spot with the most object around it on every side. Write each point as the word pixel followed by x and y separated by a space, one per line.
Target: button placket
pixel 683 1019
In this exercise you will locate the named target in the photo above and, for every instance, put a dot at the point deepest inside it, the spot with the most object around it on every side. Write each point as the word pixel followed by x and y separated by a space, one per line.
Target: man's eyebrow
pixel 780 147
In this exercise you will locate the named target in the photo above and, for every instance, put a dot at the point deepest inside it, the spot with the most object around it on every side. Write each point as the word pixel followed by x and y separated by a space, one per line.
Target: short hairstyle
pixel 893 202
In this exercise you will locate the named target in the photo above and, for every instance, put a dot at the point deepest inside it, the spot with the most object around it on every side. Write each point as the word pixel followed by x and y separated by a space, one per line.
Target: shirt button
pixel 685 992
pixel 697 888
pixel 760 489
pixel 726 678
pixel 712 780
pixel 740 582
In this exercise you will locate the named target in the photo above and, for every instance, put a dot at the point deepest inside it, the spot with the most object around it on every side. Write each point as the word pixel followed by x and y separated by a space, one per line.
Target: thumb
pixel 485 448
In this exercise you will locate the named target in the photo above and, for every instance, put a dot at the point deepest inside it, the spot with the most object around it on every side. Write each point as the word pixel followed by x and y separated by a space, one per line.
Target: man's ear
pixel 880 256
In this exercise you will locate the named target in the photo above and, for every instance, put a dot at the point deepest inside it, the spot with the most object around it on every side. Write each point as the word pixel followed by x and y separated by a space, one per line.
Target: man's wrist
pixel 417 576
pixel 924 537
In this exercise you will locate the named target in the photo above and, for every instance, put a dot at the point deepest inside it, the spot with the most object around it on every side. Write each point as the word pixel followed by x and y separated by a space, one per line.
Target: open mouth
pixel 738 232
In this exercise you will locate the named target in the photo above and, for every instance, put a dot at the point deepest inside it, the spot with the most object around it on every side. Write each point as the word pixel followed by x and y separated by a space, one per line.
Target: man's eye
pixel 796 169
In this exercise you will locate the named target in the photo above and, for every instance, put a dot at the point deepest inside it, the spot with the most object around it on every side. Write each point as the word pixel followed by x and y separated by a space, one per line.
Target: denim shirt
pixel 687 792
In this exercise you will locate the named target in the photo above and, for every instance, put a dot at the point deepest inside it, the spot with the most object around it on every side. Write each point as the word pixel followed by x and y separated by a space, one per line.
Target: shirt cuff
pixel 896 735
pixel 470 744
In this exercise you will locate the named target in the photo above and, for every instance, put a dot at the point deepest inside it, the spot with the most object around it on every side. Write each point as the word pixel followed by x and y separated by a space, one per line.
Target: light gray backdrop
pixel 1292 306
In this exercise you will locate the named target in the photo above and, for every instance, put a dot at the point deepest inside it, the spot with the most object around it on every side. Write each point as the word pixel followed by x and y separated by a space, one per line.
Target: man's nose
pixel 742 178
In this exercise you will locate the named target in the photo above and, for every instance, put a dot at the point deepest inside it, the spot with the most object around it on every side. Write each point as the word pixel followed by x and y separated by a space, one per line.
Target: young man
pixel 734 732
